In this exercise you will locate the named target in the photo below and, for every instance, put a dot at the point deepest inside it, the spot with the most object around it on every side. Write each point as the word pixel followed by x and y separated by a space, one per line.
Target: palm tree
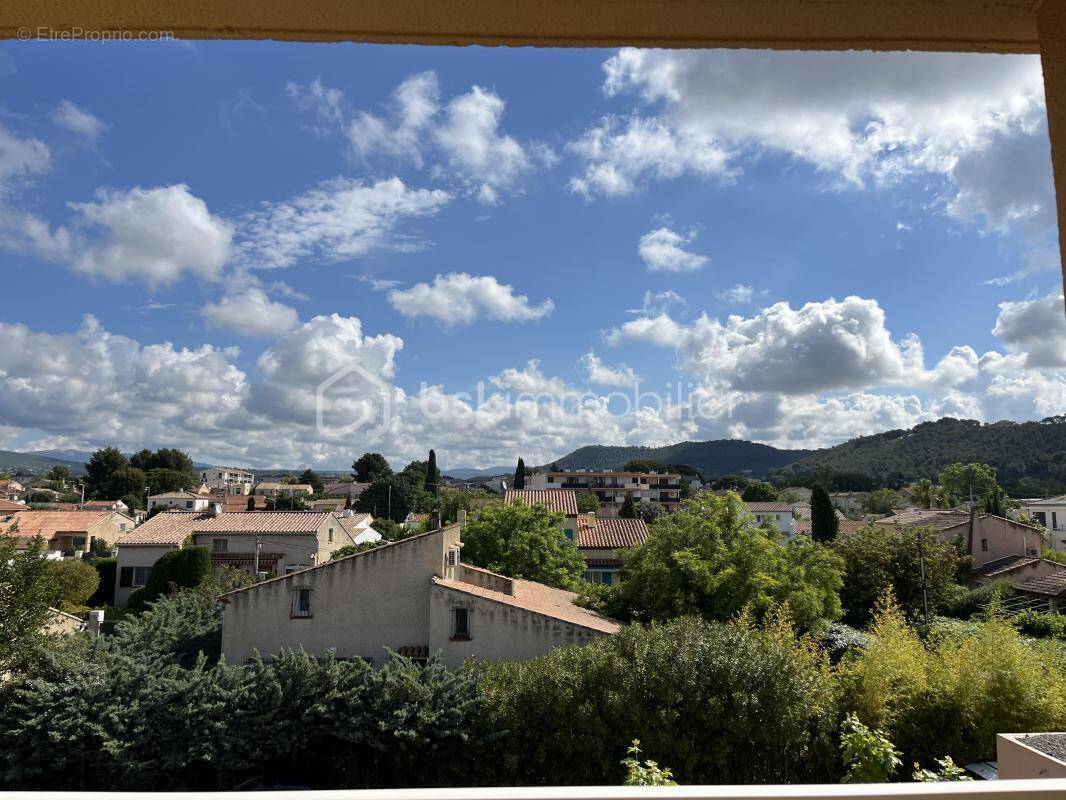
pixel 923 492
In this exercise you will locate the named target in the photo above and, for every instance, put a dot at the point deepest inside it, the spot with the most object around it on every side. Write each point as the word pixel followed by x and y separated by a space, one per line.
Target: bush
pixel 179 569
pixel 719 703
pixel 179 628
pixel 1035 623
pixel 955 693
pixel 839 639
pixel 964 603
pixel 130 723
pixel 105 591
pixel 76 580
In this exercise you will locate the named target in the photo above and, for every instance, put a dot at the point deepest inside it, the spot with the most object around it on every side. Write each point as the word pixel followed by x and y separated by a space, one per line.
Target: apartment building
pixel 231 480
pixel 273 489
pixel 612 486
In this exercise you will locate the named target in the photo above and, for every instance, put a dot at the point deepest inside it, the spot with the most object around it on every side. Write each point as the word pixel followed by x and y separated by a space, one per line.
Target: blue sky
pixel 196 237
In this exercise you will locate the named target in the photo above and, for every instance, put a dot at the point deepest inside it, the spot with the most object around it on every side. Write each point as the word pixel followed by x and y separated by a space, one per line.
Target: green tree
pixel 520 475
pixel 707 559
pixel 759 492
pixel 76 580
pixel 99 469
pixel 133 502
pixel 352 549
pixel 60 474
pixel 881 501
pixel 881 557
pixel 963 481
pixel 451 501
pixel 735 483
pixel 370 467
pixel 432 482
pixel 628 511
pixel 923 493
pixel 393 492
pixel 824 522
pixel 389 530
pixel 27 591
pixel 649 510
pixel 251 503
pixel 105 589
pixel 587 501
pixel 523 542
pixel 123 481
pixel 178 569
pixel 310 477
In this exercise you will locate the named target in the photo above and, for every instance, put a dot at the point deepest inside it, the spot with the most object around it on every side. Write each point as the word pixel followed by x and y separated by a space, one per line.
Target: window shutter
pixel 125 580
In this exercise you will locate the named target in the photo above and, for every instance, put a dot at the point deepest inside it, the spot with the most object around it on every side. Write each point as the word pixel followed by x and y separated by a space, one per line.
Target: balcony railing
pixel 1046 789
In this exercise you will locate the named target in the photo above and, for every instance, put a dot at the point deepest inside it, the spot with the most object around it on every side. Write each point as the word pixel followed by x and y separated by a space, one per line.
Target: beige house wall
pixel 359 605
pixel 135 555
pixel 497 631
pixel 1018 761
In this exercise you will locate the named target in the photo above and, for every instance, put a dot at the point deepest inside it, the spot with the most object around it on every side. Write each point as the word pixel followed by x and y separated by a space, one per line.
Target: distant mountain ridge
pixel 465 473
pixel 1028 456
pixel 33 462
pixel 711 459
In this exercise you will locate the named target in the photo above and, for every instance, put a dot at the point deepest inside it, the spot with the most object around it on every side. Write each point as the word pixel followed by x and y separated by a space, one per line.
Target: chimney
pixel 216 509
pixel 974 520
pixel 95 622
pixel 460 517
pixel 347 513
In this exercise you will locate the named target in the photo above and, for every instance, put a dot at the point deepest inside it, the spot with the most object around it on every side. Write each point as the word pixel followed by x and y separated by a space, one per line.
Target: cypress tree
pixel 251 503
pixel 520 475
pixel 432 473
pixel 629 510
pixel 824 523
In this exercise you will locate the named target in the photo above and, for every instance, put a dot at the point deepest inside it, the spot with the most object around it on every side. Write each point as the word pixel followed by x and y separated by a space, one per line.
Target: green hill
pixel 10 461
pixel 1030 457
pixel 711 459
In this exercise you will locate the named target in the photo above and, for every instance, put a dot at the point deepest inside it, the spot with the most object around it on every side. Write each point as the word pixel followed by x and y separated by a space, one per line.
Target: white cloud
pixel 600 374
pixel 975 121
pixel 663 251
pixel 465 134
pixel 154 235
pixel 378 284
pixel 740 294
pixel 337 220
pixel 656 303
pixel 1035 329
pixel 459 298
pixel 21 157
pixel 401 134
pixel 822 346
pixel 251 313
pixel 79 121
pixel 326 103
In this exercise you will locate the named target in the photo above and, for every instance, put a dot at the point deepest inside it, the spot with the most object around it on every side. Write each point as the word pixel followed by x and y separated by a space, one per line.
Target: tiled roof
pixel 764 507
pixel 1050 501
pixel 610 533
pixel 355 521
pixel 803 526
pixel 177 496
pixel 171 527
pixel 926 518
pixel 563 501
pixel 7 506
pixel 1052 585
pixel 1000 566
pixel 539 599
pixel 167 528
pixel 47 523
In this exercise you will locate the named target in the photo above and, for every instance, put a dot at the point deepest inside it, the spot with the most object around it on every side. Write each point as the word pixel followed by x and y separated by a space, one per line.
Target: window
pixel 133 577
pixel 460 623
pixel 331 534
pixel 301 602
pixel 219 545
pixel 188 503
pixel 984 545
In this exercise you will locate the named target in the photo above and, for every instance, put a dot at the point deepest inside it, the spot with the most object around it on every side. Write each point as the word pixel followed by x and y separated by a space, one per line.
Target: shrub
pixel 839 639
pixel 719 703
pixel 76 580
pixel 965 603
pixel 1034 623
pixel 185 568
pixel 954 693
pixel 178 628
pixel 105 591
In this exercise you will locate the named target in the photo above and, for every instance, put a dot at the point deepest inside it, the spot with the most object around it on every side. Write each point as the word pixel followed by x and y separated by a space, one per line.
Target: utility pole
pixel 258 547
pixel 390 501
pixel 921 568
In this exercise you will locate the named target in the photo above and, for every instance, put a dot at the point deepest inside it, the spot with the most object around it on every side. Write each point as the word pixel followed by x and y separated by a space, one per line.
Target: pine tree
pixel 824 523
pixel 629 511
pixel 520 475
pixel 432 474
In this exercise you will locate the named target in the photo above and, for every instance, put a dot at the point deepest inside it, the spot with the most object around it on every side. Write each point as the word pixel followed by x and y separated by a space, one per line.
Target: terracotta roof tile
pixel 539 599
pixel 926 518
pixel 167 528
pixel 1001 566
pixel 7 506
pixel 1052 585
pixel 803 526
pixel 562 501
pixel 48 523
pixel 171 527
pixel 772 506
pixel 613 533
